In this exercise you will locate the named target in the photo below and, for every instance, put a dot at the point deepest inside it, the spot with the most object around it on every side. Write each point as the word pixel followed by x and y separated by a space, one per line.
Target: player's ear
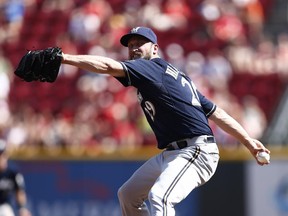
pixel 155 49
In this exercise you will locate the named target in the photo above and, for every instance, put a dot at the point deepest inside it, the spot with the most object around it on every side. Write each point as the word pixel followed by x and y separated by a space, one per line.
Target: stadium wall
pixel 87 186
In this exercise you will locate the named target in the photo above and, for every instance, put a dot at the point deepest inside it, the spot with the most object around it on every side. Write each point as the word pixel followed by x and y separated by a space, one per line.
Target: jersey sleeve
pixel 140 72
pixel 125 81
pixel 208 106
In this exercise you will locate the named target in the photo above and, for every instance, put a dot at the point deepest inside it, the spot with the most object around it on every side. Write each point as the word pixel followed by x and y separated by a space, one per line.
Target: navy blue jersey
pixel 10 181
pixel 173 106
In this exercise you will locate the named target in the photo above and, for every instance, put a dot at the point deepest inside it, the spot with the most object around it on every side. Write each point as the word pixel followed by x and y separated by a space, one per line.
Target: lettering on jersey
pixel 150 109
pixel 172 72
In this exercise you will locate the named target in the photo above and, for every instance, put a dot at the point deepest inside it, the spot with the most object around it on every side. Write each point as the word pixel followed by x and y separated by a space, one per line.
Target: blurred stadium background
pixel 78 139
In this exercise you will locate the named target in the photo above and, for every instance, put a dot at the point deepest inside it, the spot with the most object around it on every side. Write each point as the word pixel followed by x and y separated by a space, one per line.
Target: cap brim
pixel 125 38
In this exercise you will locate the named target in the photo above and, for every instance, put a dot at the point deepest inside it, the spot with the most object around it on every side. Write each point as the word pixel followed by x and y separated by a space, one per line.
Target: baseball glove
pixel 40 65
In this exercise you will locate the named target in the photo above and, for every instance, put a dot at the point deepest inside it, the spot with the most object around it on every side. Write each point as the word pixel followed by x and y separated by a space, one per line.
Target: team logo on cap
pixel 134 30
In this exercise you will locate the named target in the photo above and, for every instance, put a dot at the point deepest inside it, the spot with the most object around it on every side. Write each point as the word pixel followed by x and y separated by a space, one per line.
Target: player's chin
pixel 134 57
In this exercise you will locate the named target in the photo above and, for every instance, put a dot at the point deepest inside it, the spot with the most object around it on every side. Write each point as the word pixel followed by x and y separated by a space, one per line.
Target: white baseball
pixel 263 157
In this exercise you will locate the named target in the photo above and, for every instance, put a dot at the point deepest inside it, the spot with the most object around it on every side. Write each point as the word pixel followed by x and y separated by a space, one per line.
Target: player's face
pixel 140 47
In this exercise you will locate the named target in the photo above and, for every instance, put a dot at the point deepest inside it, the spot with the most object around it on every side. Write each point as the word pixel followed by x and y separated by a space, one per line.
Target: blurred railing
pixel 141 153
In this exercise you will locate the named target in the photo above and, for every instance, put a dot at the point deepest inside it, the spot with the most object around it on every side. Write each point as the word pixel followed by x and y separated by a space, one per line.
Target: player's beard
pixel 137 55
pixel 146 55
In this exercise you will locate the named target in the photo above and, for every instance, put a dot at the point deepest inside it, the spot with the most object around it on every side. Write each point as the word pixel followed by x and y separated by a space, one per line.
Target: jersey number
pixel 150 109
pixel 192 87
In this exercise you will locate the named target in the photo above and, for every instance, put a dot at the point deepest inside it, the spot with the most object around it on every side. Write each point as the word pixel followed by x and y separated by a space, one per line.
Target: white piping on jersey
pixel 211 111
pixel 127 73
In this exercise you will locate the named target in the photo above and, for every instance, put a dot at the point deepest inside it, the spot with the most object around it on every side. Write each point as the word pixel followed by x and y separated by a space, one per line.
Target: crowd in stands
pixel 219 43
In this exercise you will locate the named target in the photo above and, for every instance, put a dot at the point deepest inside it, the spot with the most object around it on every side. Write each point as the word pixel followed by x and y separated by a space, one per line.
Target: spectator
pixel 217 69
pixel 56 5
pixel 5 82
pixel 179 13
pixel 215 44
pixel 282 55
pixel 86 21
pixel 253 17
pixel 254 120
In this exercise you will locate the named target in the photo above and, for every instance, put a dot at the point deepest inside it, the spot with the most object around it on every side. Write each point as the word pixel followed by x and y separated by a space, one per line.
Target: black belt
pixel 185 143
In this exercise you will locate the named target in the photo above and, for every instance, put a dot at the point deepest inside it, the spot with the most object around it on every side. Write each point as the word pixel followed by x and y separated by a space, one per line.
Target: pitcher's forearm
pixel 96 64
pixel 231 126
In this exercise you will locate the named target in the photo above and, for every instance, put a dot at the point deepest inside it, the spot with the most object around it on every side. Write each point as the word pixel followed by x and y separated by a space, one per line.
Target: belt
pixel 180 144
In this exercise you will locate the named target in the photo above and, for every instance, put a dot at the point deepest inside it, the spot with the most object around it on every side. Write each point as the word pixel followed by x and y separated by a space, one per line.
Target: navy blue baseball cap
pixel 142 31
